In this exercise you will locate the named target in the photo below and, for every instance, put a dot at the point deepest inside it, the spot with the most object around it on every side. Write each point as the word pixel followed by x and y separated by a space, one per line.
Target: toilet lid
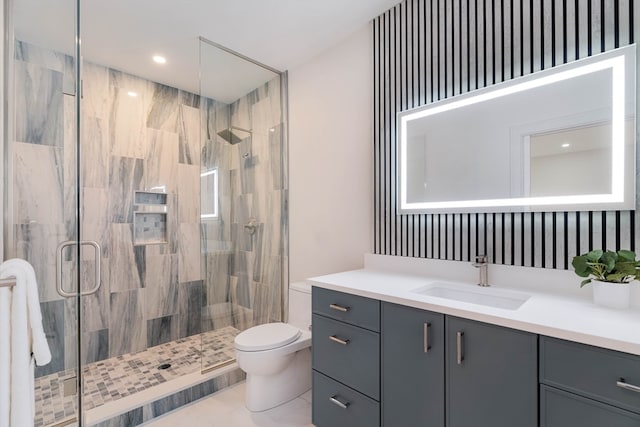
pixel 267 336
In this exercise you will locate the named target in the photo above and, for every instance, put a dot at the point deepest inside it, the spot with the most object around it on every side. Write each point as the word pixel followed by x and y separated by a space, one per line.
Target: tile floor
pixel 226 409
pixel 122 376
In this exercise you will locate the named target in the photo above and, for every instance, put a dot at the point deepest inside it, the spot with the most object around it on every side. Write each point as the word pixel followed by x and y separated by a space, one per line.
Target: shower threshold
pixel 137 380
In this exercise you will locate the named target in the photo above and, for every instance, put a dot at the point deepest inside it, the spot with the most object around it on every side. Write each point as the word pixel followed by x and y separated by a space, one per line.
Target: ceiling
pixel 125 34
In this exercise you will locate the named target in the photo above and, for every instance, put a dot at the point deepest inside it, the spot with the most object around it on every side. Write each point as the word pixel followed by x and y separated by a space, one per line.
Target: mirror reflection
pixel 560 139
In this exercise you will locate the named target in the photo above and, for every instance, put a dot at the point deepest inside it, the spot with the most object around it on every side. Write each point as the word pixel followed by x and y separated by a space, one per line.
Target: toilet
pixel 277 356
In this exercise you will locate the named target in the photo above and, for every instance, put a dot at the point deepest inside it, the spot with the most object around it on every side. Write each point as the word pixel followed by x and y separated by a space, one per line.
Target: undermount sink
pixel 498 298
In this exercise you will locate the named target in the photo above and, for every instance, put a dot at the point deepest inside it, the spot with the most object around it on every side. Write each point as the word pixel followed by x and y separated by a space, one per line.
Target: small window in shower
pixel 209 199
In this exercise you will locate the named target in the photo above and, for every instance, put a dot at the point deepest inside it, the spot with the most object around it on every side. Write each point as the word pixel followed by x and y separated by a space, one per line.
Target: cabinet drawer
pixel 348 354
pixel 353 309
pixel 590 371
pixel 357 410
pixel 563 409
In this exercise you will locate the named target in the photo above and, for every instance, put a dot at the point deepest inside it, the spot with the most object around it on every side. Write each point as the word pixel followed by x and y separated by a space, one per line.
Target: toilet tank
pixel 300 305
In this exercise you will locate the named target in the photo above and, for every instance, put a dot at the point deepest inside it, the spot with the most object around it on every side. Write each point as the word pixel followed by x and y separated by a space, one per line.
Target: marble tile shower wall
pixel 150 294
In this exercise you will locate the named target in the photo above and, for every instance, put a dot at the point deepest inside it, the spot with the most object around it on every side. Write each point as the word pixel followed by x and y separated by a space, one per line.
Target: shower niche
pixel 150 218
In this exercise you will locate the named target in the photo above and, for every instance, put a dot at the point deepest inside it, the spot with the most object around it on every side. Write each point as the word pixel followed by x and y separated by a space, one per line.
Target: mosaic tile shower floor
pixel 122 376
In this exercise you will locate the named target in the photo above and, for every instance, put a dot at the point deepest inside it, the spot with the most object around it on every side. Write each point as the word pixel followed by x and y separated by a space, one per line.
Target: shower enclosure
pixel 153 209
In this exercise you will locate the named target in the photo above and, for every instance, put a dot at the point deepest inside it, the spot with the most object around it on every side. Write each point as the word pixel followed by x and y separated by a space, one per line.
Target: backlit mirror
pixel 559 139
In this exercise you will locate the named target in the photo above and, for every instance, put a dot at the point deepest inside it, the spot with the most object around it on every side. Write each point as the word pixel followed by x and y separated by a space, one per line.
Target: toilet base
pixel 268 391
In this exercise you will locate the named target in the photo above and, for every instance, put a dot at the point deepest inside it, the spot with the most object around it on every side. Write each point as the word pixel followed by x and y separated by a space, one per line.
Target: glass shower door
pixel 41 190
pixel 243 193
pixel 104 167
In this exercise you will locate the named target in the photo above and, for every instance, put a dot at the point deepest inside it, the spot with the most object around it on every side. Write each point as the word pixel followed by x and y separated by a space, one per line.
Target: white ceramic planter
pixel 612 295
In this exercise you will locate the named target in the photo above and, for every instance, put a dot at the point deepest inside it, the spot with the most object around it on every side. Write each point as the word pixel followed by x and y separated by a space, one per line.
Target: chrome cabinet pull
pixel 339 307
pixel 98 262
pixel 334 400
pixel 425 337
pixel 627 386
pixel 338 340
pixel 459 355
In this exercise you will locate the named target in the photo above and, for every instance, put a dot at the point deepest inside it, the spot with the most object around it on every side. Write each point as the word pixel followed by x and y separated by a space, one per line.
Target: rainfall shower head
pixel 233 134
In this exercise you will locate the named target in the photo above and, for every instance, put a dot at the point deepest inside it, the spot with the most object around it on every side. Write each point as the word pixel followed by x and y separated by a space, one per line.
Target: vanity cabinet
pixel 412 367
pixel 345 360
pixel 491 375
pixel 378 363
pixel 587 386
pixel 437 367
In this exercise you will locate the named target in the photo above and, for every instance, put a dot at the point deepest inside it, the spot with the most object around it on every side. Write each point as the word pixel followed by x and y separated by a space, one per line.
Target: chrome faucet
pixel 483 264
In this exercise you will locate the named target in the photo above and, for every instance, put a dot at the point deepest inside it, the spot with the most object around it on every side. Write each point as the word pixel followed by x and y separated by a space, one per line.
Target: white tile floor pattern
pixel 226 409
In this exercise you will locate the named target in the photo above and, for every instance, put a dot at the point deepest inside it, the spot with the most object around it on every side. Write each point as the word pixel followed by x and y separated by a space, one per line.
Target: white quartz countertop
pixel 556 315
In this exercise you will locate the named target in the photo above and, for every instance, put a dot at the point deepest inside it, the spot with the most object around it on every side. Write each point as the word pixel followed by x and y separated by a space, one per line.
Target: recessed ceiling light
pixel 132 94
pixel 565 145
pixel 160 59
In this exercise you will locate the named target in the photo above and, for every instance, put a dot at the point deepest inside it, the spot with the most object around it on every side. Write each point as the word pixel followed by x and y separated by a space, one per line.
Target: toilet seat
pixel 267 337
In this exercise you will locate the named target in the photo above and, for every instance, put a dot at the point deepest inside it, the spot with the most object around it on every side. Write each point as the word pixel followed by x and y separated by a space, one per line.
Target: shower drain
pixel 164 366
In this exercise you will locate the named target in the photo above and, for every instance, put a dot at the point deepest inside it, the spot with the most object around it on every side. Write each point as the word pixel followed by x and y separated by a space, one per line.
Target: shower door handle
pixel 98 273
pixel 98 265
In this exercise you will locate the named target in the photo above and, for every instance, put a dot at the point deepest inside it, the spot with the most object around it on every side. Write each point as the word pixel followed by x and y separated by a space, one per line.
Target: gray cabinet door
pixel 491 375
pixel 412 367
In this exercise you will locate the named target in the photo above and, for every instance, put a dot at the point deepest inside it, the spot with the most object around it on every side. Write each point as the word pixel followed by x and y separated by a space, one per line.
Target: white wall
pixel 330 159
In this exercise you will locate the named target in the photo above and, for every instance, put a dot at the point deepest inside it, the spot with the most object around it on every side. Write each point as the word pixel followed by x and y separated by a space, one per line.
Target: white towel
pixel 5 355
pixel 27 340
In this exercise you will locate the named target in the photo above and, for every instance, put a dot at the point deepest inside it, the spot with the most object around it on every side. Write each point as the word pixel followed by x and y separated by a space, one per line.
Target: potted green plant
pixel 610 274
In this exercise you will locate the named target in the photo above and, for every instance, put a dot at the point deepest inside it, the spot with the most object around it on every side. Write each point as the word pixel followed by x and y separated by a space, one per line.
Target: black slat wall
pixel 427 50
